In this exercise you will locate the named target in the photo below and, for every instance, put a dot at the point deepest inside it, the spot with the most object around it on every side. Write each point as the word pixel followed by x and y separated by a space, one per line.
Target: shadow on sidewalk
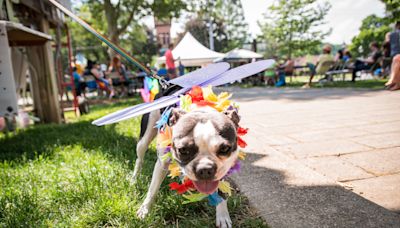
pixel 285 205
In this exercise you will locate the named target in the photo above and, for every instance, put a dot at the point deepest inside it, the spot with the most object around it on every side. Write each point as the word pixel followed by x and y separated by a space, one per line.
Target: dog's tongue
pixel 207 187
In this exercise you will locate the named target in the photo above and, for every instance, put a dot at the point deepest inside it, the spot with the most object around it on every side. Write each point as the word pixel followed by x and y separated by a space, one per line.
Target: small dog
pixel 204 143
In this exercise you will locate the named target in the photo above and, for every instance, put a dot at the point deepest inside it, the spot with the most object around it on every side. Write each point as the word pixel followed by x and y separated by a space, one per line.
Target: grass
pixel 78 175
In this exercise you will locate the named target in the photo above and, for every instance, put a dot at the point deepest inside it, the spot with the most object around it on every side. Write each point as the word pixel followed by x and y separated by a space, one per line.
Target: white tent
pixel 239 54
pixel 192 53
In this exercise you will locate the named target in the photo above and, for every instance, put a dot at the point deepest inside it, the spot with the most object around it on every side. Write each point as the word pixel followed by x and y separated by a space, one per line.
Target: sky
pixel 344 17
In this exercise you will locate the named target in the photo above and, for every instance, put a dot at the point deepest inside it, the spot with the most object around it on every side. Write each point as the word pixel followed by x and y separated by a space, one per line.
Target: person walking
pixel 170 62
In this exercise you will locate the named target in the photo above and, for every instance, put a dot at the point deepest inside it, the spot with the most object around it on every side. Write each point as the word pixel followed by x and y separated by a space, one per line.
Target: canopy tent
pixel 192 53
pixel 239 55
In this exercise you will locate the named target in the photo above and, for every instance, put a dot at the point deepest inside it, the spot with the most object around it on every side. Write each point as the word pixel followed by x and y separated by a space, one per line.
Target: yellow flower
pixel 209 95
pixel 174 170
pixel 224 96
pixel 222 105
pixel 221 102
pixel 242 155
pixel 186 102
pixel 225 187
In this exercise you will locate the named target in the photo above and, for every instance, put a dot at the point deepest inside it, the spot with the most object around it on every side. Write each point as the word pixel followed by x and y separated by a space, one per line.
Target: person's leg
pixel 394 81
pixel 312 72
pixel 394 70
pixel 282 79
pixel 358 66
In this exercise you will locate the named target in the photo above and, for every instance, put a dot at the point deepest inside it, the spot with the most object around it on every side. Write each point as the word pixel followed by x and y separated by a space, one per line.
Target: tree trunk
pixel 112 25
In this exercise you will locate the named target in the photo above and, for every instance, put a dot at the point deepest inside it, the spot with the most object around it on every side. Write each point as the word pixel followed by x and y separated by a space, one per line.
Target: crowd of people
pixel 114 80
pixel 383 60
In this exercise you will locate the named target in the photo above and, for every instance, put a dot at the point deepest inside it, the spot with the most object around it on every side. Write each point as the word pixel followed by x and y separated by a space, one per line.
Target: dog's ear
pixel 175 115
pixel 234 116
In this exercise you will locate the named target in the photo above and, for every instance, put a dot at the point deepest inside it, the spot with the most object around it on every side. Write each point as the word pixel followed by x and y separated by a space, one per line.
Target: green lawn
pixel 299 81
pixel 77 175
pixel 338 83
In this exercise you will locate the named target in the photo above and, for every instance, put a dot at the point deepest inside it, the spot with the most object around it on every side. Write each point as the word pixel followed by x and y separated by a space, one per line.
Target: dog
pixel 204 143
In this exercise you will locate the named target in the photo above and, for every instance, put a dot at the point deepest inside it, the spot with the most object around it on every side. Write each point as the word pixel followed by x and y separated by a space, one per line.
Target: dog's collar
pixel 197 96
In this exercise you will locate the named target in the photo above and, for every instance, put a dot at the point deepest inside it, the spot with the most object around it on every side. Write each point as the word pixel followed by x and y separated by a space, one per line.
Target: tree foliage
pixel 85 42
pixel 119 20
pixel 373 28
pixel 291 27
pixel 230 29
pixel 393 9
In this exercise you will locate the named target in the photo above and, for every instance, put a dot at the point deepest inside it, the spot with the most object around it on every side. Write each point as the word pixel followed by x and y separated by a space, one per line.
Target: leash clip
pixel 164 83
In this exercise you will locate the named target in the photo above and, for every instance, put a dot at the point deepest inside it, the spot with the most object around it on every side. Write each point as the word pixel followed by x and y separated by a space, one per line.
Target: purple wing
pixel 117 113
pixel 199 76
pixel 240 73
pixel 136 110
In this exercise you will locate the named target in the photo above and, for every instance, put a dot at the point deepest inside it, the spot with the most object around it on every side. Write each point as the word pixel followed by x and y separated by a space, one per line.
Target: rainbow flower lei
pixel 197 97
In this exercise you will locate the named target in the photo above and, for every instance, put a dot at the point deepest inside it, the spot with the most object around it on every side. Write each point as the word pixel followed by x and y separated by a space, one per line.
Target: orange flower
pixel 164 138
pixel 196 93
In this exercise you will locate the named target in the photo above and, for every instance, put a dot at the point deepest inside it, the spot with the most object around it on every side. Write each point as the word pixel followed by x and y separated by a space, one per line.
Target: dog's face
pixel 204 143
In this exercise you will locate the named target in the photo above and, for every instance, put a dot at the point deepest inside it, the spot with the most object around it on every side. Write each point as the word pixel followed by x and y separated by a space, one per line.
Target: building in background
pixel 163 34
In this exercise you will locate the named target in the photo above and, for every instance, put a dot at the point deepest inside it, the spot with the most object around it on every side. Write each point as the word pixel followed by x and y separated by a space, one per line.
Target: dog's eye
pixel 224 150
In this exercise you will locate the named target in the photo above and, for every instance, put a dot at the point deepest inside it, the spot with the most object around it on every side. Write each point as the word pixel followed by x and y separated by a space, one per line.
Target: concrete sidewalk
pixel 322 157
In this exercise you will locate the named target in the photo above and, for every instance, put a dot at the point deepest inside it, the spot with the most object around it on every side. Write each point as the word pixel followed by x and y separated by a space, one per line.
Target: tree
pixel 120 15
pixel 233 25
pixel 291 27
pixel 373 28
pixel 228 22
pixel 392 9
pixel 85 42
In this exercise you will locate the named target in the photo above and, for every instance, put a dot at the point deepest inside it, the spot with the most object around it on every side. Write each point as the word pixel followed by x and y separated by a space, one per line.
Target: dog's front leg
pixel 223 218
pixel 159 174
pixel 147 134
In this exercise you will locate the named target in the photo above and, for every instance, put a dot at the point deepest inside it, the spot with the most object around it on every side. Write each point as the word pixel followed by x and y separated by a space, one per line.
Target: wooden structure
pixel 25 28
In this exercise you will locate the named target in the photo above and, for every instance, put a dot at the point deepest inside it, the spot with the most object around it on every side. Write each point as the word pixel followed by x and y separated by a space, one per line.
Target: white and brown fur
pixel 209 141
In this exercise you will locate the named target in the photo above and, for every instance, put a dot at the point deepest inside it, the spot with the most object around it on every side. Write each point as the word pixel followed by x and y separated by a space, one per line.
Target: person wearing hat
pixel 317 68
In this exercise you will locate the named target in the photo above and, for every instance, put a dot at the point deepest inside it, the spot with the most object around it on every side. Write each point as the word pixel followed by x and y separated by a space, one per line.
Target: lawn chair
pixel 374 67
pixel 341 68
pixel 324 67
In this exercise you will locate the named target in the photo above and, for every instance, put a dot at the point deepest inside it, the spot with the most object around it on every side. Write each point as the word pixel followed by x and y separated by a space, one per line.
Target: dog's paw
pixel 143 211
pixel 224 221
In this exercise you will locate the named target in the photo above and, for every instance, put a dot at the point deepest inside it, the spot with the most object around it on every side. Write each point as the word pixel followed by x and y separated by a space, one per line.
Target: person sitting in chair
pixel 119 69
pixel 324 63
pixel 368 63
pixel 79 83
pixel 284 70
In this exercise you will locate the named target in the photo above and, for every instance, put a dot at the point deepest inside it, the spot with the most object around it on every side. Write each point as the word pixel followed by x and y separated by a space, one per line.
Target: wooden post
pixel 45 85
pixel 8 96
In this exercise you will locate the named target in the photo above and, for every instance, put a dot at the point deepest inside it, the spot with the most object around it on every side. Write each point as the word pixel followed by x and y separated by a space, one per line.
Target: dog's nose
pixel 206 173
